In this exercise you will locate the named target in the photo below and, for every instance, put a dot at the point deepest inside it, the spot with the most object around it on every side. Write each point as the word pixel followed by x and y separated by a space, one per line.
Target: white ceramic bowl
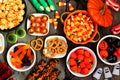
pixel 104 60
pixel 60 37
pixel 91 70
pixel 47 24
pixel 2 43
pixel 25 68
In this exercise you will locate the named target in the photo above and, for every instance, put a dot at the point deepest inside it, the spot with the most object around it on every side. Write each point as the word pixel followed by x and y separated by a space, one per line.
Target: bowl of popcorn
pixel 9 17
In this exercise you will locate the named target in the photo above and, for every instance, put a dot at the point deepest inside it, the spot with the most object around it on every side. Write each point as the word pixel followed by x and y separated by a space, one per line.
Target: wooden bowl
pixel 95 26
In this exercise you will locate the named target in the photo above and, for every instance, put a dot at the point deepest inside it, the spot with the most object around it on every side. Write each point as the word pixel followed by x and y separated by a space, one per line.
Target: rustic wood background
pixel 65 74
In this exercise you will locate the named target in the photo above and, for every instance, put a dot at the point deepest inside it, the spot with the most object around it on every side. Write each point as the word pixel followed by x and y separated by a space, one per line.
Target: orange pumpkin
pixel 100 13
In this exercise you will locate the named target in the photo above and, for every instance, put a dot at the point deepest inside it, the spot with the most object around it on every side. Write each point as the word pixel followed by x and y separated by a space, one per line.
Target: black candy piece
pixel 112 58
pixel 111 50
pixel 117 43
pixel 26 61
pixel 110 40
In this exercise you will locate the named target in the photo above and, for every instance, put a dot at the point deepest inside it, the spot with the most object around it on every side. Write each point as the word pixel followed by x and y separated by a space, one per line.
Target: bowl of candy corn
pixel 79 27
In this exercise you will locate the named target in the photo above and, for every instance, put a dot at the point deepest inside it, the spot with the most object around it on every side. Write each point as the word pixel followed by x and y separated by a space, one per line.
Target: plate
pixel 56 36
pixel 38 15
pixel 2 43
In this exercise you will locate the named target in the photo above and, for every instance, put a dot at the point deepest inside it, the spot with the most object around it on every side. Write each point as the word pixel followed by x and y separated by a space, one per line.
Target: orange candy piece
pixel 103 45
pixel 61 4
pixel 103 53
pixel 57 15
pixel 55 24
pixel 70 6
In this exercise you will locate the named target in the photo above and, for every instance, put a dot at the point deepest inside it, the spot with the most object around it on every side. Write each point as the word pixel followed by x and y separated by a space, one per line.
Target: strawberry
pixel 78 70
pixel 80 57
pixel 86 53
pixel 73 68
pixel 80 51
pixel 89 66
pixel 82 64
pixel 72 62
pixel 73 55
pixel 91 59
pixel 85 71
pixel 87 60
pixel 103 53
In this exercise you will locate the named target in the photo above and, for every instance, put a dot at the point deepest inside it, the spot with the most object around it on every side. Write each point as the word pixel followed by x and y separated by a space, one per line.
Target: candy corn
pixel 57 15
pixel 55 24
pixel 61 4
pixel 52 20
pixel 70 7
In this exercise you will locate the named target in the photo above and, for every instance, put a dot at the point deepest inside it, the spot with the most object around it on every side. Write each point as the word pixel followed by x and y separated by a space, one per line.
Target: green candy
pixel 37 6
pixel 11 38
pixel 20 32
pixel 45 5
pixel 52 5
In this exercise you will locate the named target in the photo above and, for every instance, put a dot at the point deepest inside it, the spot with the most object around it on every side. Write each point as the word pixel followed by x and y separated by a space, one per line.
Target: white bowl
pixel 91 70
pixel 2 43
pixel 47 26
pixel 60 37
pixel 25 68
pixel 104 60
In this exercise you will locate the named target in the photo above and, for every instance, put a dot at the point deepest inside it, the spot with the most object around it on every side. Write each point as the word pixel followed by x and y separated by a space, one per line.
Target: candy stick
pixel 45 5
pixel 52 5
pixel 55 24
pixel 61 4
pixel 52 20
pixel 70 7
pixel 57 15
pixel 37 6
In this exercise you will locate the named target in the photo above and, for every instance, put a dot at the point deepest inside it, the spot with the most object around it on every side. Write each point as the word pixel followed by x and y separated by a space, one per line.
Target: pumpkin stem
pixel 103 9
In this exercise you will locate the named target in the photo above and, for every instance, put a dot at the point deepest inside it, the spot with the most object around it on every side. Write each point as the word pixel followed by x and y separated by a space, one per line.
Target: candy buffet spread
pixel 59 40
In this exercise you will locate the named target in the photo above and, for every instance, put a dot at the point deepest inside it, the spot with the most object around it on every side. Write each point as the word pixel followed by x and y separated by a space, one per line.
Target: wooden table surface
pixel 65 74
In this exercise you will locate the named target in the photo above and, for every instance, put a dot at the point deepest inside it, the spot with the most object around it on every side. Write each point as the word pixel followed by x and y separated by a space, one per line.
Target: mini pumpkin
pixel 100 13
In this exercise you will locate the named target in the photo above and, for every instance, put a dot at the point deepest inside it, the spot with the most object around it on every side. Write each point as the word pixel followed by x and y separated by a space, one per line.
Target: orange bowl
pixel 79 17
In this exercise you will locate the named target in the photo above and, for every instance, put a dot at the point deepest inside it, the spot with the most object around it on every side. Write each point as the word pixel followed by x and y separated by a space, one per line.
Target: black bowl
pixel 24 16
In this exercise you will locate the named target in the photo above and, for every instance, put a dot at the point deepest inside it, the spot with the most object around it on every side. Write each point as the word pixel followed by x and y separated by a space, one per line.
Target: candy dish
pixel 2 43
pixel 79 27
pixel 37 25
pixel 108 49
pixel 19 61
pixel 9 14
pixel 81 61
pixel 59 37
